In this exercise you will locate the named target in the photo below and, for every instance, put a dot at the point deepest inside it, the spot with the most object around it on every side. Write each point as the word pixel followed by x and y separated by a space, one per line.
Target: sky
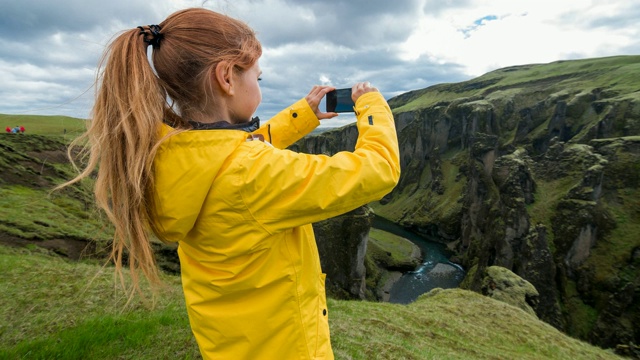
pixel 49 50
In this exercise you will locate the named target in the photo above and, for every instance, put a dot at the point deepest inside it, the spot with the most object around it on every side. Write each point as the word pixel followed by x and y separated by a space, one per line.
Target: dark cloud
pixel 435 7
pixel 354 24
pixel 629 16
pixel 49 50
pixel 27 19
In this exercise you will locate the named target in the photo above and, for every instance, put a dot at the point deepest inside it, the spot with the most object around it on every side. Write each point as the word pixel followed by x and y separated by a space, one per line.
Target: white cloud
pixel 487 35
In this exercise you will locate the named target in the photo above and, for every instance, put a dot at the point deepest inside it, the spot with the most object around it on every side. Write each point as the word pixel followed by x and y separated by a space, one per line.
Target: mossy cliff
pixel 535 169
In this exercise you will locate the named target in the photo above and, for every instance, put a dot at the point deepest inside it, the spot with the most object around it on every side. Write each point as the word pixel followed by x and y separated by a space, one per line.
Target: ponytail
pixel 122 137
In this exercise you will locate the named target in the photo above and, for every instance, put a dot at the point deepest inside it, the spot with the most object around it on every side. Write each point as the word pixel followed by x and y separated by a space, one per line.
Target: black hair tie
pixel 154 37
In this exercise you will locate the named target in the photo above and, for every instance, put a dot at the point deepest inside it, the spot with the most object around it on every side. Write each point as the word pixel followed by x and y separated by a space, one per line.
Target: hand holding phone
pixel 315 96
pixel 340 100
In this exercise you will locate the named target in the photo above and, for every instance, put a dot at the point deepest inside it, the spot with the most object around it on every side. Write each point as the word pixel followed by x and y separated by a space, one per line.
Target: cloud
pixel 49 50
pixel 354 24
pixel 484 35
pixel 25 20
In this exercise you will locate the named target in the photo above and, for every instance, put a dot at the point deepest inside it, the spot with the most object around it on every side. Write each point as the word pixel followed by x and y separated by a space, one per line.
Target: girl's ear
pixel 224 77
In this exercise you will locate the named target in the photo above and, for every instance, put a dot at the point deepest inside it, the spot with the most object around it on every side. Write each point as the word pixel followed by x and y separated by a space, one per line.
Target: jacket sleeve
pixel 284 189
pixel 289 125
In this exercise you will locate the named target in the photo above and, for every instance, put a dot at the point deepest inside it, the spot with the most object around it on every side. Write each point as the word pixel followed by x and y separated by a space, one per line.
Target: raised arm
pixel 307 188
pixel 296 121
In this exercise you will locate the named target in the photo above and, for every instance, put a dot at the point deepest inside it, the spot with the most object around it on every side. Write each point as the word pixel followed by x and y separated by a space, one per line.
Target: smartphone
pixel 339 100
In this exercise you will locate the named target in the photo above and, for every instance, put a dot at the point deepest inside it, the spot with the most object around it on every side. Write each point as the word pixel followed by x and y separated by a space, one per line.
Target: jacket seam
pixel 302 325
pixel 244 201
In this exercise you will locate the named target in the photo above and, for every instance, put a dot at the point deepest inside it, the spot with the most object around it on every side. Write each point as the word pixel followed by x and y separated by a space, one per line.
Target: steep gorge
pixel 535 169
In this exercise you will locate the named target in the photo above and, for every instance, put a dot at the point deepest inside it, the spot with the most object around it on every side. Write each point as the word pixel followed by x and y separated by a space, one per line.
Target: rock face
pixel 342 244
pixel 501 284
pixel 535 169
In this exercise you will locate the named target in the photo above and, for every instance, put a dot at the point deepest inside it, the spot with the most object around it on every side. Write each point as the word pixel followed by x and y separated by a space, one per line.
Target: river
pixel 436 271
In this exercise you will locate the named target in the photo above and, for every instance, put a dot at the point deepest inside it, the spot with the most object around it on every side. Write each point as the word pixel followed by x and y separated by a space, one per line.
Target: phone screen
pixel 339 100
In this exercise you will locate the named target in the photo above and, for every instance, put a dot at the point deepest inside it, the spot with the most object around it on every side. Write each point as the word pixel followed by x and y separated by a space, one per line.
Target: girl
pixel 179 156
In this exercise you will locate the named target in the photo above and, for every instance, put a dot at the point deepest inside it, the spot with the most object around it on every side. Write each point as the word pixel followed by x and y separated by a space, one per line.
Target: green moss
pixel 35 214
pixel 392 251
pixel 426 206
pixel 469 277
pixel 373 278
pixel 546 198
pixel 582 316
pixel 610 253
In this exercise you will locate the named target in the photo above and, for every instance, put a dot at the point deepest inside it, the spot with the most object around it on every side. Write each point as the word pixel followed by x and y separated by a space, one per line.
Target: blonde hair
pixel 131 104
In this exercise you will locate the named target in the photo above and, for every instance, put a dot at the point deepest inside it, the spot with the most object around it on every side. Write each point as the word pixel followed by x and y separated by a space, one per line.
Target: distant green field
pixel 44 125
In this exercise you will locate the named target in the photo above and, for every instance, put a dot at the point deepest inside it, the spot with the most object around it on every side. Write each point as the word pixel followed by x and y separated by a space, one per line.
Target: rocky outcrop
pixel 388 257
pixel 503 285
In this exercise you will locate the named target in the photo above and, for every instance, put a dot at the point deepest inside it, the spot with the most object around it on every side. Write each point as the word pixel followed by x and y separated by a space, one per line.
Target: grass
pixel 392 250
pixel 547 196
pixel 45 125
pixel 56 309
pixel 608 256
pixel 616 75
pixel 31 165
pixel 36 214
pixel 448 324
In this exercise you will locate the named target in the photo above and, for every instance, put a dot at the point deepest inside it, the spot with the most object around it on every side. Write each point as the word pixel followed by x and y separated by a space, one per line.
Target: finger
pixel 322 91
pixel 327 115
pixel 323 88
pixel 314 90
pixel 319 91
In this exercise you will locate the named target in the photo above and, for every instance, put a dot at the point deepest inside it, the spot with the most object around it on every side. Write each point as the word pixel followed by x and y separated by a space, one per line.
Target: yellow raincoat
pixel 241 212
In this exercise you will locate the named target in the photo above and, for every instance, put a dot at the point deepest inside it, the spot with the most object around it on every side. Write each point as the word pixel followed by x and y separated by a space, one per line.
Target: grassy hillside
pixel 44 125
pixel 57 309
pixel 30 166
pixel 619 74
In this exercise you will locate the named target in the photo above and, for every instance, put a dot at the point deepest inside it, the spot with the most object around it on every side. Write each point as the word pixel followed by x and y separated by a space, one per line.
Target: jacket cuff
pixel 302 117
pixel 371 102
pixel 290 125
